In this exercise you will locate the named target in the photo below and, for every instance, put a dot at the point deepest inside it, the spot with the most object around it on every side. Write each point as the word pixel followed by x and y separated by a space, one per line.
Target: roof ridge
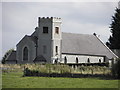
pixel 8 55
pixel 77 33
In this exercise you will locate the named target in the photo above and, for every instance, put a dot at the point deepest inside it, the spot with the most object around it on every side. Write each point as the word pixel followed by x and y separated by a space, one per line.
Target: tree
pixel 116 69
pixel 5 55
pixel 114 39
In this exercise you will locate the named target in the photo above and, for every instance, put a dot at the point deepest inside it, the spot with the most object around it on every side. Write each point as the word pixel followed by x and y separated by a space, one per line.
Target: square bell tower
pixel 49 38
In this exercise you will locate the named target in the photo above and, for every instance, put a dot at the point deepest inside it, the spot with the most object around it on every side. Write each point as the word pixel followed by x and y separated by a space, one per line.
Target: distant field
pixel 15 80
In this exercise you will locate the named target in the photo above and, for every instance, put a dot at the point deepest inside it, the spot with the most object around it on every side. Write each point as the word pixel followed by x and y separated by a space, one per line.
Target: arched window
pixel 25 53
pixel 65 60
pixel 88 60
pixel 56 50
pixel 76 59
pixel 57 30
pixel 99 60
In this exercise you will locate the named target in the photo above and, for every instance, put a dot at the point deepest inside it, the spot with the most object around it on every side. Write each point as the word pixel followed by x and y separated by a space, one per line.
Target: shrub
pixel 65 69
pixel 35 70
pixel 11 68
pixel 81 68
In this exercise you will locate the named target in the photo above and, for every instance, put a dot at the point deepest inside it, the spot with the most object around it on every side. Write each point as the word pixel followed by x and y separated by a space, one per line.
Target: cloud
pixel 88 28
pixel 20 18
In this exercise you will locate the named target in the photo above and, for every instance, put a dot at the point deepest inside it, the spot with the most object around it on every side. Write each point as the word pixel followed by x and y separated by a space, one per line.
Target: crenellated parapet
pixel 48 19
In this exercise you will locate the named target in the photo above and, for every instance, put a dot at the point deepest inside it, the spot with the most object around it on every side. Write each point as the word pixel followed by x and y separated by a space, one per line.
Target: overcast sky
pixel 19 19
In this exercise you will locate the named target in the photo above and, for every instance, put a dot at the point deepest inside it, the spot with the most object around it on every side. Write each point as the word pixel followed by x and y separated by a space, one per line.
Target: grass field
pixel 15 80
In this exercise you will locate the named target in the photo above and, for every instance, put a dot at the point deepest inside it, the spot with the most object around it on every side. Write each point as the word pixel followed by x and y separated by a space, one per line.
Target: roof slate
pixel 84 44
pixel 11 56
pixel 40 58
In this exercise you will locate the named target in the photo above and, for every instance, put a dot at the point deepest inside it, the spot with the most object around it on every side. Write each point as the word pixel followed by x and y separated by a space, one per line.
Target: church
pixel 48 44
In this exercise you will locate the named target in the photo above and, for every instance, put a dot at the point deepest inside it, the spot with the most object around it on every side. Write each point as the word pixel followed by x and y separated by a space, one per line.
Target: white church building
pixel 48 44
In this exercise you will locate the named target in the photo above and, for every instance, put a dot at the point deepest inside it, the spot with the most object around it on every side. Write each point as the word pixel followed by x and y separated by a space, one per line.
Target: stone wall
pixel 25 42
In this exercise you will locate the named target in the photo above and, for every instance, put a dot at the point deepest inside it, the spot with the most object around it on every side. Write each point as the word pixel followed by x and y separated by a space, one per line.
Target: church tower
pixel 49 38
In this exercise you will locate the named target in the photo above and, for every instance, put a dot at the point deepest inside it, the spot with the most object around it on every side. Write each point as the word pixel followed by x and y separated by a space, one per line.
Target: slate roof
pixel 84 44
pixel 40 58
pixel 11 56
pixel 31 38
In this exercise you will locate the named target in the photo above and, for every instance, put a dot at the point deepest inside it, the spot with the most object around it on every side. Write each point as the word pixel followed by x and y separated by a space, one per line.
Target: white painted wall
pixel 82 58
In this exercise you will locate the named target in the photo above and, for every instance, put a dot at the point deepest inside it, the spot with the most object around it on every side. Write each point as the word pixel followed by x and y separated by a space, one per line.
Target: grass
pixel 15 80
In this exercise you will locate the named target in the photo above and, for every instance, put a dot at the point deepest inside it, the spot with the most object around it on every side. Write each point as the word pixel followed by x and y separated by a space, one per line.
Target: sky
pixel 21 18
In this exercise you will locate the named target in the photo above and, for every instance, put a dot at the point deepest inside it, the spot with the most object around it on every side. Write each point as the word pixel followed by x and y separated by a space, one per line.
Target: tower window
pixel 56 49
pixel 25 53
pixel 44 49
pixel 57 30
pixel 45 29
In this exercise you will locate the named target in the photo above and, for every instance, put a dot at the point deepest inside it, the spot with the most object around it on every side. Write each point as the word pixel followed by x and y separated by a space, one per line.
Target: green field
pixel 15 80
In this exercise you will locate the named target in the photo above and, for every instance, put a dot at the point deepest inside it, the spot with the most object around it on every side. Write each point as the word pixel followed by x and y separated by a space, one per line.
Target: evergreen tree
pixel 114 39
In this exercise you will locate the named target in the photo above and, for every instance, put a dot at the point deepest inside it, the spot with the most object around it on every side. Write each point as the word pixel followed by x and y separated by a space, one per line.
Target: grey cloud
pixel 21 18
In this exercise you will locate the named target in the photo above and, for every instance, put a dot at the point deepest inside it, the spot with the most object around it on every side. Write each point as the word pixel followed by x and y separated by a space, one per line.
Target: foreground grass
pixel 15 80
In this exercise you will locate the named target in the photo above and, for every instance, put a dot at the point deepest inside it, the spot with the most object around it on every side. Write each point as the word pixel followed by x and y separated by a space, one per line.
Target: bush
pixel 116 69
pixel 35 70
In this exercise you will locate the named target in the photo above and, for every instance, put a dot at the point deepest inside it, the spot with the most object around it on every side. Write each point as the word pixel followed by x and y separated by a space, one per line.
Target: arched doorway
pixel 25 54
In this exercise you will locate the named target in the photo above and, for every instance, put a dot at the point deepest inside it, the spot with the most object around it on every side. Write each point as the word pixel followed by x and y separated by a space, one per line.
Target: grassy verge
pixel 15 80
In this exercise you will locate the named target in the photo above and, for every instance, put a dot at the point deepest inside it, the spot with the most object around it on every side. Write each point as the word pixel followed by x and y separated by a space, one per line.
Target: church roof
pixel 40 58
pixel 11 56
pixel 85 44
pixel 30 38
